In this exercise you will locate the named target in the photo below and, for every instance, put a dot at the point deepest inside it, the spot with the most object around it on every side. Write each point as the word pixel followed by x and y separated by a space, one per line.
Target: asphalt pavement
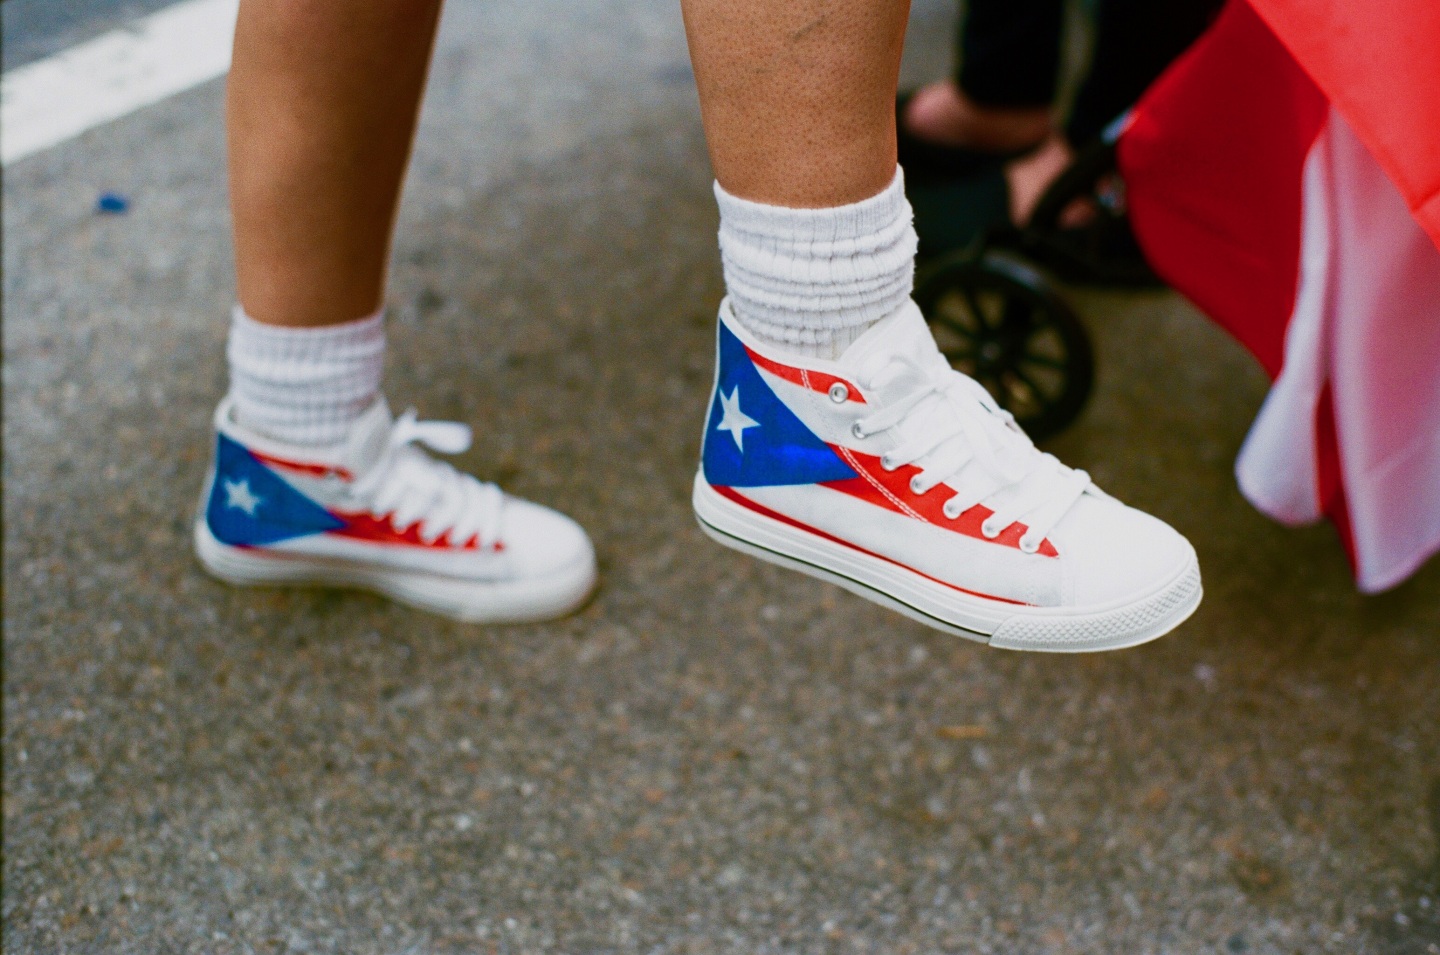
pixel 715 755
pixel 33 29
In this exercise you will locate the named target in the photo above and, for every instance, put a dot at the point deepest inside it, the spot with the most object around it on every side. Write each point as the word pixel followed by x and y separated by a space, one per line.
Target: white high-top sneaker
pixel 377 512
pixel 895 476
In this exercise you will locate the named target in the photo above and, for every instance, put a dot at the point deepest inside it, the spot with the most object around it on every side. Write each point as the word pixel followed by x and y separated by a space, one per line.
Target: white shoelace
pixel 411 486
pixel 976 431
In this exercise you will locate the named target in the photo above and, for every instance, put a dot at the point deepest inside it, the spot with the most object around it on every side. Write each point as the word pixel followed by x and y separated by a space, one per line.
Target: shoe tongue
pixel 906 334
pixel 368 438
pixel 902 332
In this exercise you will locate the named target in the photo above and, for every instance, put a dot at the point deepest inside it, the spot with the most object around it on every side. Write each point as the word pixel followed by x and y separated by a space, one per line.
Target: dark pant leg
pixel 1009 51
pixel 1134 41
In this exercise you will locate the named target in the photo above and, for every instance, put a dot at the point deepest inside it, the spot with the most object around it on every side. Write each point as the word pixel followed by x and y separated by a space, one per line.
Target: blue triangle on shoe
pixel 752 439
pixel 252 505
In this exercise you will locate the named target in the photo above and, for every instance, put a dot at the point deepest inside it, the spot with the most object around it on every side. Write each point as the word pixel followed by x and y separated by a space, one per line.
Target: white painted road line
pixel 51 100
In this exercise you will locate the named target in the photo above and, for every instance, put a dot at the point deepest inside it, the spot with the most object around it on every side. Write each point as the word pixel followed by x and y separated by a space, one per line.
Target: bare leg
pixel 324 96
pixel 799 98
pixel 323 100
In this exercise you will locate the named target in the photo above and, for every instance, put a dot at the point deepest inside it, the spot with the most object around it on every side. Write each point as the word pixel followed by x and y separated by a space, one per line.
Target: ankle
pixel 811 281
pixel 1028 177
pixel 304 386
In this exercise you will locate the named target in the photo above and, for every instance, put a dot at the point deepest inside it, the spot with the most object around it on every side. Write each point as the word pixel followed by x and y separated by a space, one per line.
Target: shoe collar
pixel 903 330
pixel 905 337
pixel 351 458
pixel 902 333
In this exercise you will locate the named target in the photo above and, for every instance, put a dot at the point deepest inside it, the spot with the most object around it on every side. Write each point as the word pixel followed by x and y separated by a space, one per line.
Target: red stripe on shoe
pixel 804 377
pixel 302 467
pixel 380 530
pixel 730 494
pixel 891 490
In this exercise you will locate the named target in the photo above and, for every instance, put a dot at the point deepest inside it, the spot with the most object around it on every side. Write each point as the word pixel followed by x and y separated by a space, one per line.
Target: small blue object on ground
pixel 112 203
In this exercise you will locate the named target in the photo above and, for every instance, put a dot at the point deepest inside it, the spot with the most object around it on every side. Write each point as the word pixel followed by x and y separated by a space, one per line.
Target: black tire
pixel 999 321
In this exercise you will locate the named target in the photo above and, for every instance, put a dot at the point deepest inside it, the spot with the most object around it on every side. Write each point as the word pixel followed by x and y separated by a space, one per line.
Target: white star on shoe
pixel 734 420
pixel 239 495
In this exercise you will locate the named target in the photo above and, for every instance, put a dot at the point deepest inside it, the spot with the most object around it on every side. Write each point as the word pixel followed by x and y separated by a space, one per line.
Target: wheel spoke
pixel 1016 325
pixel 1044 361
pixel 963 353
pixel 956 327
pixel 982 320
pixel 1041 317
pixel 1041 398
pixel 1024 348
pixel 995 386
pixel 956 318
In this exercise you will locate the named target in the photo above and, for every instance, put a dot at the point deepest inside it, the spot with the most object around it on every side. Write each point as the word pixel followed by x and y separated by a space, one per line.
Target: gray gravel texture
pixel 713 756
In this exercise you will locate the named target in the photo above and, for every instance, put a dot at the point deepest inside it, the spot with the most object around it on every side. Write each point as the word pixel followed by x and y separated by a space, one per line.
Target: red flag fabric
pixel 1378 63
pixel 1212 160
pixel 1283 174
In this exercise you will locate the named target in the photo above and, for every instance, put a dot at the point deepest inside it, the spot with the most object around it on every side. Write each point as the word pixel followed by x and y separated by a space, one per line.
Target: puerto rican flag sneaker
pixel 897 477
pixel 377 512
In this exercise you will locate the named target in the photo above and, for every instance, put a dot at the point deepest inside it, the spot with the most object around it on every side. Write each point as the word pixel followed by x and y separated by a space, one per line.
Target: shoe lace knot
pixel 412 487
pixel 951 428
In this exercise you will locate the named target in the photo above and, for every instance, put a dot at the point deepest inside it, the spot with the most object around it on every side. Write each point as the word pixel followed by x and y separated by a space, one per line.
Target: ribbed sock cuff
pixel 304 385
pixel 813 280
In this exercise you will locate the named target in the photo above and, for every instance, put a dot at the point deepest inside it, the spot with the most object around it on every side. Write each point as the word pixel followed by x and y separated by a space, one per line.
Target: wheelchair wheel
pixel 998 320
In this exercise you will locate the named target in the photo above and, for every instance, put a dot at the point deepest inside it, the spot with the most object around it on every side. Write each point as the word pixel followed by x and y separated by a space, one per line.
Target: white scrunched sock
pixel 304 385
pixel 811 281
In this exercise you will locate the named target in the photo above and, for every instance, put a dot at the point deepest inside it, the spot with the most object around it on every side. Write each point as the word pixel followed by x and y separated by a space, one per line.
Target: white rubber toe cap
pixel 541 542
pixel 1113 553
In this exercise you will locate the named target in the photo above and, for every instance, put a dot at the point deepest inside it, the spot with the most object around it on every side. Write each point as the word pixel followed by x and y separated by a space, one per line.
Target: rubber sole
pixel 998 624
pixel 469 601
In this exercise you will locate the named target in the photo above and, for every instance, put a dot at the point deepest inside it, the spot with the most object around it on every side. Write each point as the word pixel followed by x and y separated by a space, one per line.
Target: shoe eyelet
pixel 839 393
pixel 953 513
pixel 916 487
pixel 1028 548
pixel 989 530
pixel 886 462
pixel 857 431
